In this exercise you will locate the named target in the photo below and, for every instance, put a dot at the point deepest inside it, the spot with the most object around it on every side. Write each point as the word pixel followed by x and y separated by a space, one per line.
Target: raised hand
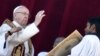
pixel 39 17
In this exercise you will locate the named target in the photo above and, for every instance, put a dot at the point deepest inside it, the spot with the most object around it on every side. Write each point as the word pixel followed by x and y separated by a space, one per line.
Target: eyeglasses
pixel 24 13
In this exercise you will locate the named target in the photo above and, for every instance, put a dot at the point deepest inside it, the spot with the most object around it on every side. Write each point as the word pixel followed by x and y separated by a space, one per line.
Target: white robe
pixel 43 54
pixel 16 38
pixel 89 46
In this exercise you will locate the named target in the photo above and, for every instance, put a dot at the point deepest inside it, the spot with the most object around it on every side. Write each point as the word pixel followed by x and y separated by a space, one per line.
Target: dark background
pixel 62 17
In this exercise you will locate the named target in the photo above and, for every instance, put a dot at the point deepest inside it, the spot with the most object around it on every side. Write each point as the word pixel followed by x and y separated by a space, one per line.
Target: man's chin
pixel 23 25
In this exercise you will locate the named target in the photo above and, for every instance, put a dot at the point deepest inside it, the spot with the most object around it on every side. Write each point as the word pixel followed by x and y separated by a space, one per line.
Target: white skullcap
pixel 21 6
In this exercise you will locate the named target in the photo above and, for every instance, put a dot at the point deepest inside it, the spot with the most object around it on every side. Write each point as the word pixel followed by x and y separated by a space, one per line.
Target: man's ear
pixel 93 28
pixel 14 14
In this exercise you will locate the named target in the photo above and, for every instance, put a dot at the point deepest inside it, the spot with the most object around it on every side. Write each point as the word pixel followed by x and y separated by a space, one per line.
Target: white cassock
pixel 43 54
pixel 89 46
pixel 16 38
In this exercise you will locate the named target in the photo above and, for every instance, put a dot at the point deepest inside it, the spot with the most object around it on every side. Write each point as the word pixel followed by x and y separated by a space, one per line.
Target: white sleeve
pixel 79 48
pixel 3 29
pixel 86 47
pixel 23 35
pixel 43 54
pixel 2 50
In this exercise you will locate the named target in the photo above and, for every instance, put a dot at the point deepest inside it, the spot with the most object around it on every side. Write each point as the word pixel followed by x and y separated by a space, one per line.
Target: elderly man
pixel 16 43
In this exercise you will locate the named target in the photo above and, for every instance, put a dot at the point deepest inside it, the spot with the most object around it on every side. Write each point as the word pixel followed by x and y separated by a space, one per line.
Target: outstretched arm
pixel 28 32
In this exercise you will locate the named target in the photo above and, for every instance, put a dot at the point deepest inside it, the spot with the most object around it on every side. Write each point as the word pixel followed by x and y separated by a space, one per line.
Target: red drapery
pixel 62 17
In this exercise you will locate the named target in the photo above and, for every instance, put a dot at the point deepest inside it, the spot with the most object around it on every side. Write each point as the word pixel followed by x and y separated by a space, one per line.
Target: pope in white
pixel 21 33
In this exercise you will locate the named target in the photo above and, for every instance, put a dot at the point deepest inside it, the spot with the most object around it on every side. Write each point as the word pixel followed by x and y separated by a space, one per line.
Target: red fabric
pixel 62 17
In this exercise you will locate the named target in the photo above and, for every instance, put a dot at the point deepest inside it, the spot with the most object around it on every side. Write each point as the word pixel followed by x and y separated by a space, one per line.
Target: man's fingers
pixel 39 17
pixel 41 12
pixel 43 15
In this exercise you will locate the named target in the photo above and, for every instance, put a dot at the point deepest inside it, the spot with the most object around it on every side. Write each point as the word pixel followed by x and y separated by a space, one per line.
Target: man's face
pixel 21 16
pixel 89 28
